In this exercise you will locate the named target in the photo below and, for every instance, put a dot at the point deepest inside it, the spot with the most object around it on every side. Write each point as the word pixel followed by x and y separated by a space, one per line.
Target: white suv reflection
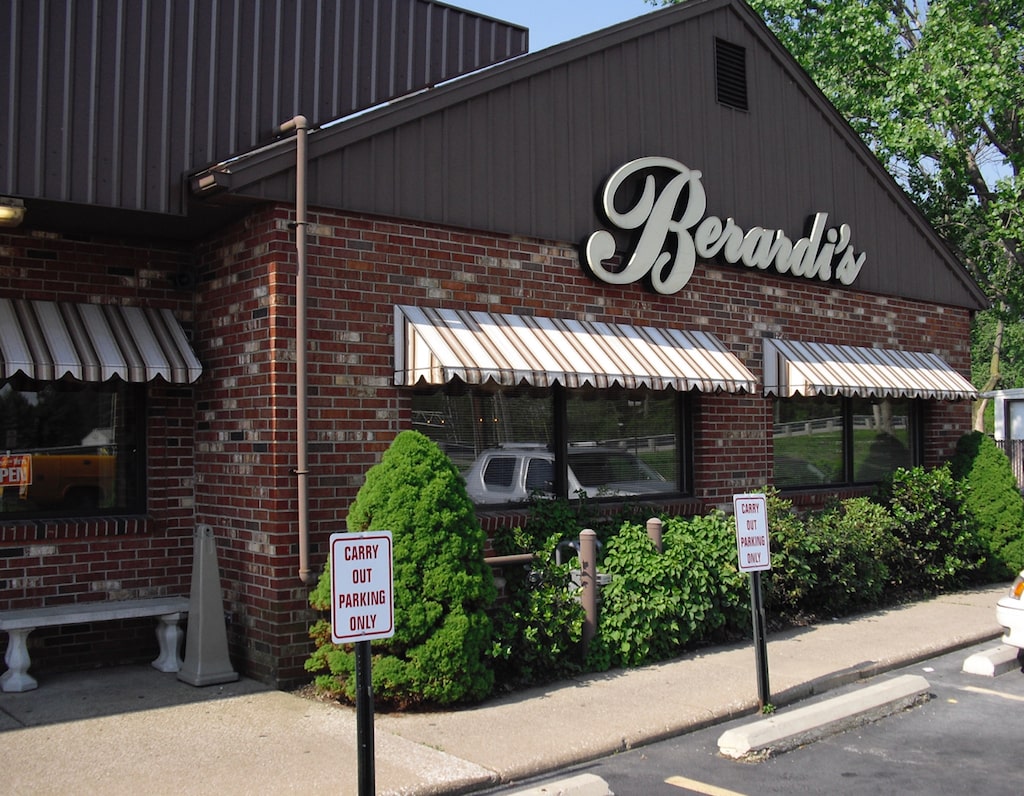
pixel 513 472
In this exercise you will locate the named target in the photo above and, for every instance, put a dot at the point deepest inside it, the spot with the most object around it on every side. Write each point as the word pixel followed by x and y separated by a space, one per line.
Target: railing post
pixel 654 532
pixel 588 582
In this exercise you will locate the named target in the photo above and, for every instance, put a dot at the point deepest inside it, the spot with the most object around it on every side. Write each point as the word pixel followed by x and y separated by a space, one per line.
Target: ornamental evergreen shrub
pixel 994 500
pixel 442 587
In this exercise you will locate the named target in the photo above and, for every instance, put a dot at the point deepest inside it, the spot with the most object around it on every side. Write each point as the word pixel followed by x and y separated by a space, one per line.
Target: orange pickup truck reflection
pixel 72 480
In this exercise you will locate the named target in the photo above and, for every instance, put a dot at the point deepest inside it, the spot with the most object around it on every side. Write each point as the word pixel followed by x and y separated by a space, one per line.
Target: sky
pixel 554 21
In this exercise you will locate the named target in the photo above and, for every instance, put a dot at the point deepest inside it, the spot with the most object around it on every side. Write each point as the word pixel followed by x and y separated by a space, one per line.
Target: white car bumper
pixel 1010 614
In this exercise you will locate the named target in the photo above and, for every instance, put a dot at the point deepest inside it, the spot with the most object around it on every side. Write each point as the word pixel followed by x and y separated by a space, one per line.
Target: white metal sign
pixel 362 587
pixel 752 532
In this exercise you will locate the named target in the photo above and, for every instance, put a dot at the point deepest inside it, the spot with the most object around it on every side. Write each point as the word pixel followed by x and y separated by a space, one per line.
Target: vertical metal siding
pixel 528 155
pixel 111 102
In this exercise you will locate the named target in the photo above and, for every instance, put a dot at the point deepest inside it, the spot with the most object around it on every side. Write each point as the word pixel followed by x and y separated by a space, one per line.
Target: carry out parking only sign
pixel 755 557
pixel 362 587
pixel 752 532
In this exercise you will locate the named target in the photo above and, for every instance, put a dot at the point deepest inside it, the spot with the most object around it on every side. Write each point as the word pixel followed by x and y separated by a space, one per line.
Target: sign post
pixel 362 609
pixel 752 546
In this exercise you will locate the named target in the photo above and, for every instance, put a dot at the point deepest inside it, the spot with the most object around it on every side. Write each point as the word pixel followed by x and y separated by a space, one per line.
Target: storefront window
pixel 833 440
pixel 70 449
pixel 507 443
pixel 882 437
pixel 626 443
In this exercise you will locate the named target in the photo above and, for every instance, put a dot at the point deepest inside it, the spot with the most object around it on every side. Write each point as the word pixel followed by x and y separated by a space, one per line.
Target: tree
pixel 936 91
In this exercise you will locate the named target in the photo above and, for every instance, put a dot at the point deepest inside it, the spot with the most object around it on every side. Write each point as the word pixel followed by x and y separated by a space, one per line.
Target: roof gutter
pixel 301 127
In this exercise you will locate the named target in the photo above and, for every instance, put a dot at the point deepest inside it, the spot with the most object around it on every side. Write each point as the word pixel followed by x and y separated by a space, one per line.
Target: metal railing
pixel 1014 450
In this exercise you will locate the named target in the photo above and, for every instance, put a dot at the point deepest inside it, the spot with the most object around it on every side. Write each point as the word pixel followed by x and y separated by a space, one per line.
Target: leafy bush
pixel 938 546
pixel 993 499
pixel 442 587
pixel 713 537
pixel 853 541
pixel 566 518
pixel 539 624
pixel 918 536
pixel 657 604
pixel 794 574
pixel 647 611
pixel 549 517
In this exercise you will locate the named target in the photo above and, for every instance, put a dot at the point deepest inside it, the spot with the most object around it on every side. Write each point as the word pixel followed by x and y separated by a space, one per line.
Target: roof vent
pixel 731 75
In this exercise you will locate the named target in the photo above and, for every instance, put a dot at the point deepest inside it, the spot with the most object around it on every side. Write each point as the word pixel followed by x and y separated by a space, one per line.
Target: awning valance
pixel 794 367
pixel 47 341
pixel 434 346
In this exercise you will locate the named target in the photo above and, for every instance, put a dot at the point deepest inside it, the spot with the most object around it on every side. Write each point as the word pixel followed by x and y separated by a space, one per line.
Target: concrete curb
pixel 580 785
pixel 782 732
pixel 866 670
pixel 993 662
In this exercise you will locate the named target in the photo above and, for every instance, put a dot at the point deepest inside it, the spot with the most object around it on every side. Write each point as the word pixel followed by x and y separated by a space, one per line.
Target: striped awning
pixel 799 368
pixel 434 346
pixel 47 341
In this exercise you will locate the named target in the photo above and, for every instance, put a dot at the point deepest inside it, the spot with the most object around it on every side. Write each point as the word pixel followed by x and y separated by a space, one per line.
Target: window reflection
pixel 69 449
pixel 881 437
pixel 834 440
pixel 618 443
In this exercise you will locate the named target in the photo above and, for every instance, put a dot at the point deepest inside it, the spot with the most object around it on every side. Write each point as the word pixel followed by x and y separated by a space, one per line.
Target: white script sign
pixel 823 254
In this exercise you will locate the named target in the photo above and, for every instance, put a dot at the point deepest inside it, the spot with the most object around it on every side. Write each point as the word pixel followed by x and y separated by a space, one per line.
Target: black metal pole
pixel 364 718
pixel 764 696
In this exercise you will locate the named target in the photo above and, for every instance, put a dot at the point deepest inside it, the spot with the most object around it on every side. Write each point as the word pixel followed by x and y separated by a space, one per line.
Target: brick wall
pixel 55 561
pixel 224 452
pixel 358 269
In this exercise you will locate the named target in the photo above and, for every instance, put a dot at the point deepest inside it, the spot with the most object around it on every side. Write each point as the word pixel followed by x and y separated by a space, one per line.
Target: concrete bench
pixel 21 621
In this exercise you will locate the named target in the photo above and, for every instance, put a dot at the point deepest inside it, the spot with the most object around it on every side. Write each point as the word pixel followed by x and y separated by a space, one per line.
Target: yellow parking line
pixel 700 787
pixel 975 689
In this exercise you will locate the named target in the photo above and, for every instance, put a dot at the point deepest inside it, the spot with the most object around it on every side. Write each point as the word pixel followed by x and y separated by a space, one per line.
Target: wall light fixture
pixel 12 211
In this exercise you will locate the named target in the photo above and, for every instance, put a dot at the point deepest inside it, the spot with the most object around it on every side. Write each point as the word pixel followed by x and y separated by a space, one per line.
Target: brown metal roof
pixel 524 148
pixel 110 102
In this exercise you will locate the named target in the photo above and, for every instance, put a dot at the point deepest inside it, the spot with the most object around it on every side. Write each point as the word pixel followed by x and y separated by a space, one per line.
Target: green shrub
pixel 566 518
pixel 442 587
pixel 714 536
pixel 539 623
pixel 794 553
pixel 938 546
pixel 657 604
pixel 647 611
pixel 549 517
pixel 854 539
pixel 993 499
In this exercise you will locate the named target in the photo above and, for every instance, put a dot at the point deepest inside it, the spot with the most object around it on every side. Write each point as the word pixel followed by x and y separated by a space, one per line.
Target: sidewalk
pixel 136 729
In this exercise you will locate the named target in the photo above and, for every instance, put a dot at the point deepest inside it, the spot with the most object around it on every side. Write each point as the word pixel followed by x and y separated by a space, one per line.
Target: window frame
pixel 135 470
pixel 557 398
pixel 915 440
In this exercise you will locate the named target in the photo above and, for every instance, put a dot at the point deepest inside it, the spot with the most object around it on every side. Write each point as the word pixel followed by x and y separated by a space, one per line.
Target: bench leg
pixel 169 636
pixel 17 678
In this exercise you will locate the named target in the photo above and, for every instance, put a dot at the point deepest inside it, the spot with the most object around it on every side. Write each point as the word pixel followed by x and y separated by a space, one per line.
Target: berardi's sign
pixel 674 231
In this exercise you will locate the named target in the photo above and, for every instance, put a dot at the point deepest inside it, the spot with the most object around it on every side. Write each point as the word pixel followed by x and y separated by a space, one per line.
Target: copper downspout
pixel 301 126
